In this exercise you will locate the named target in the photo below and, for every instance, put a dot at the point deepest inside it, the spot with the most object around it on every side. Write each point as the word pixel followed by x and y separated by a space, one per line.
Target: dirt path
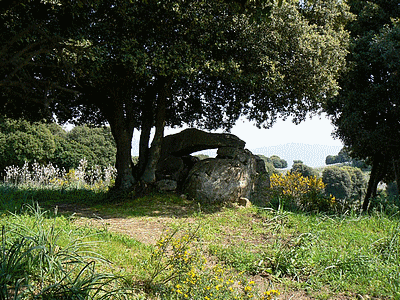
pixel 143 229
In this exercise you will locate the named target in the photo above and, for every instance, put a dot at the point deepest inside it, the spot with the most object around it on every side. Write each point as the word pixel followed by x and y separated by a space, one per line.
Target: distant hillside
pixel 312 155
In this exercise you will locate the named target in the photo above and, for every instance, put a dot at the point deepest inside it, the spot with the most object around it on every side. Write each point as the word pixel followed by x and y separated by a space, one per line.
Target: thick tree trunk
pixel 144 147
pixel 147 124
pixel 122 130
pixel 149 174
pixel 125 179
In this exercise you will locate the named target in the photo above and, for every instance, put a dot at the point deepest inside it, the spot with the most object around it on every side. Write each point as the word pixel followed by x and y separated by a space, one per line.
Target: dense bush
pixel 295 191
pixel 344 183
pixel 338 182
pixel 23 141
pixel 304 170
pixel 97 140
pixel 278 162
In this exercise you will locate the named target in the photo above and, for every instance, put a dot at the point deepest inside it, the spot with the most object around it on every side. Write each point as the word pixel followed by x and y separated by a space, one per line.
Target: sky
pixel 314 131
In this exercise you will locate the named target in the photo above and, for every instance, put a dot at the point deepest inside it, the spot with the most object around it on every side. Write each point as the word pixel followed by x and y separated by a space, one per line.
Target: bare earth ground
pixel 149 229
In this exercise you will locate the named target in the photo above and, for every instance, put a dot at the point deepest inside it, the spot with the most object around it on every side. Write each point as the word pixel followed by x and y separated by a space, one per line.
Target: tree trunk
pixel 149 174
pixel 147 124
pixel 396 167
pixel 372 183
pixel 122 131
pixel 378 171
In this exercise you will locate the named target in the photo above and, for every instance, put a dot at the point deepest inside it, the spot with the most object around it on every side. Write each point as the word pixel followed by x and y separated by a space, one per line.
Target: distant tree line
pixel 22 141
pixel 341 157
pixel 344 157
pixel 274 161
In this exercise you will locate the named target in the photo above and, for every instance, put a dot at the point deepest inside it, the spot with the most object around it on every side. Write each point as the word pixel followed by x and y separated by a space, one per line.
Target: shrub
pixel 178 268
pixel 346 183
pixel 278 162
pixel 49 176
pixel 301 192
pixel 304 170
pixel 338 182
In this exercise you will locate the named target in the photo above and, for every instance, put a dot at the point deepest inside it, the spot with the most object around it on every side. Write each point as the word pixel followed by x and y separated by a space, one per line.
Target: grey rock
pixel 227 178
pixel 193 140
pixel 167 185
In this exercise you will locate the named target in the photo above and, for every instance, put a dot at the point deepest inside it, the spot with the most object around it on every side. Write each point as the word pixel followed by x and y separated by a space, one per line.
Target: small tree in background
pixel 299 167
pixel 22 141
pixel 342 157
pixel 338 182
pixel 358 182
pixel 278 162
pixel 345 183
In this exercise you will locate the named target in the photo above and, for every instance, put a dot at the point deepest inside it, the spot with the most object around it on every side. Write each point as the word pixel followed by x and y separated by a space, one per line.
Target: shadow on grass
pixel 90 203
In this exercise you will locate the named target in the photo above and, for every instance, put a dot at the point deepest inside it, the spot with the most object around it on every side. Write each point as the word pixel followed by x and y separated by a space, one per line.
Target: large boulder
pixel 234 174
pixel 175 160
pixel 193 140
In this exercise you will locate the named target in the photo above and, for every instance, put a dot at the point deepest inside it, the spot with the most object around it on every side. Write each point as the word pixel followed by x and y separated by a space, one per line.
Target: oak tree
pixel 367 108
pixel 138 65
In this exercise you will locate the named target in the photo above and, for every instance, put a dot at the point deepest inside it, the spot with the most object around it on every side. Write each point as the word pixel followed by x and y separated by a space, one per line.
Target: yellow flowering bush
pixel 303 192
pixel 177 264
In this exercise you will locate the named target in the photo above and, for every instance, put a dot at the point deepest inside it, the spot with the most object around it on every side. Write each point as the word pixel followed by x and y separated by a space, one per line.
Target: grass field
pixel 78 244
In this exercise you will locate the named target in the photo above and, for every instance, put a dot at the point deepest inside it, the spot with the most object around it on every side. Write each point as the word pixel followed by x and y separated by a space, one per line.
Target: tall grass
pixel 48 184
pixel 49 176
pixel 41 260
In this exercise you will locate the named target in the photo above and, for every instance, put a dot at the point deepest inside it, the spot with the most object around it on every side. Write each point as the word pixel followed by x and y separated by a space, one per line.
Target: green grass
pixel 315 255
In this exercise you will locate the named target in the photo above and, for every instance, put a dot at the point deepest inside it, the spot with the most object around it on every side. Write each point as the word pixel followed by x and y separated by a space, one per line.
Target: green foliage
pixel 358 181
pixel 293 191
pixel 39 260
pixel 22 141
pixel 44 143
pixel 304 170
pixel 338 182
pixel 342 157
pixel 99 140
pixel 346 184
pixel 366 109
pixel 278 162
